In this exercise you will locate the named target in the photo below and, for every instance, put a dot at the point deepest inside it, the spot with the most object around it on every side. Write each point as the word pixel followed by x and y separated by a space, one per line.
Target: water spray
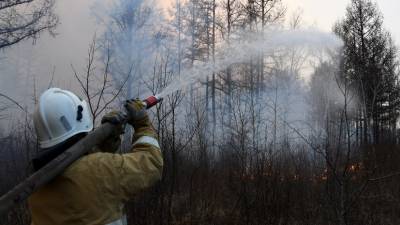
pixel 240 51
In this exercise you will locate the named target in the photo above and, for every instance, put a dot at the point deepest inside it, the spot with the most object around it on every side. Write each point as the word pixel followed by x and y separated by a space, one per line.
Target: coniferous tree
pixel 370 65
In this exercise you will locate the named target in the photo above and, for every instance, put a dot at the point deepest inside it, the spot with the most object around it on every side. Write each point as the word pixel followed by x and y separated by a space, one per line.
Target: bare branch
pixel 14 102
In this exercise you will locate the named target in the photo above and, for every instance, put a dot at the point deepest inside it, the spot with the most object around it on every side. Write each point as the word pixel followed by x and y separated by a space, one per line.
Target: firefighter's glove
pixel 117 118
pixel 113 117
pixel 112 143
pixel 137 115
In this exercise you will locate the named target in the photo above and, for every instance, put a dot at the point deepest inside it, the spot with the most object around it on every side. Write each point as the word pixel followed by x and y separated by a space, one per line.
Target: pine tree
pixel 370 64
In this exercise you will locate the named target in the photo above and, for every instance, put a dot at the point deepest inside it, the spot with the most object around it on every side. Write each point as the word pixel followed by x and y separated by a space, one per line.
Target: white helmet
pixel 60 115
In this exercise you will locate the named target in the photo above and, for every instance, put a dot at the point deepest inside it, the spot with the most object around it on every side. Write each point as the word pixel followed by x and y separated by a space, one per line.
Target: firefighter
pixel 94 188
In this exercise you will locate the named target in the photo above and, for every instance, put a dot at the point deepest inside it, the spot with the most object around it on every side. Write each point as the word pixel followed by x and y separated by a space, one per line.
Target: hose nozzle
pixel 152 101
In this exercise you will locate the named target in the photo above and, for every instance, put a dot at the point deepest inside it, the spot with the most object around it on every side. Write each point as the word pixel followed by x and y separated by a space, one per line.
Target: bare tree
pixel 23 19
pixel 12 101
pixel 99 90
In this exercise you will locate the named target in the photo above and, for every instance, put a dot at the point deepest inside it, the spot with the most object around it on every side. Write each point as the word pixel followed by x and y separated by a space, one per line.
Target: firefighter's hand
pixel 112 143
pixel 137 115
pixel 116 118
pixel 113 117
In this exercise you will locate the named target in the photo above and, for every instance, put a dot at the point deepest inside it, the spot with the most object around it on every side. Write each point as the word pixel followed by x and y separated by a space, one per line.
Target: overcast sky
pixel 324 13
pixel 78 27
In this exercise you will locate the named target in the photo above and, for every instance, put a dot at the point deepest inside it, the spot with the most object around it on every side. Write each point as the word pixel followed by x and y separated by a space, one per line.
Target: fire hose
pixel 23 190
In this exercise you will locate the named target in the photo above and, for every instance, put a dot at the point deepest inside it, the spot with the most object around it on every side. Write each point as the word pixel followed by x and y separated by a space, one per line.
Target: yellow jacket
pixel 93 189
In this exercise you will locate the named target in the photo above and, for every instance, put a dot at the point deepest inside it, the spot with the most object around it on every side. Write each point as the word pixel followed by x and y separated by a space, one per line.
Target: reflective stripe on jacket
pixel 93 189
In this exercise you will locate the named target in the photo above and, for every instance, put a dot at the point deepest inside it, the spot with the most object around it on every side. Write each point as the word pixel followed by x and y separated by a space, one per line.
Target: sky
pixel 324 13
pixel 25 63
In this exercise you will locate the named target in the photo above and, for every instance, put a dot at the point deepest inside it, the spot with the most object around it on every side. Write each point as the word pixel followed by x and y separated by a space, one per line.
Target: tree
pixel 23 19
pixel 98 89
pixel 263 12
pixel 133 36
pixel 370 64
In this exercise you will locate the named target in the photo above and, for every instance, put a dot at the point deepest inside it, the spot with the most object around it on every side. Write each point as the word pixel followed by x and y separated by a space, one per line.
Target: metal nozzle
pixel 152 101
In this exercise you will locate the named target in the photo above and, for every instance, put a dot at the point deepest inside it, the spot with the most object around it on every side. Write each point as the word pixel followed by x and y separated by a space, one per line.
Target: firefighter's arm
pixel 143 166
pixel 124 175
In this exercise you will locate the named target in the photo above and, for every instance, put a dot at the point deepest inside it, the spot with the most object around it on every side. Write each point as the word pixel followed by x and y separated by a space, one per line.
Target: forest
pixel 246 136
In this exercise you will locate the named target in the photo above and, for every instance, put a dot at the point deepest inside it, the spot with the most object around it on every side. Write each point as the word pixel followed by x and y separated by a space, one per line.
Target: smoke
pixel 131 38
